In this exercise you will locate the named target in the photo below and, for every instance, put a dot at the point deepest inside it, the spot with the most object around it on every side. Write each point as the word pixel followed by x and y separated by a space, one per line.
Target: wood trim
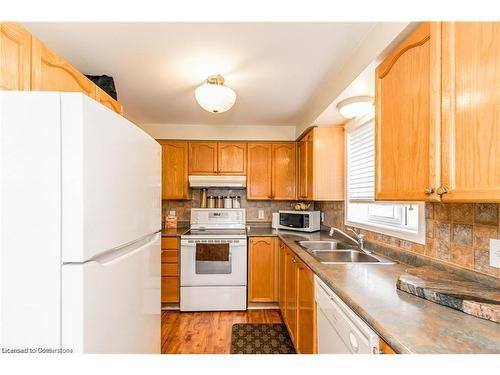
pixel 22 37
pixel 41 54
pixel 105 99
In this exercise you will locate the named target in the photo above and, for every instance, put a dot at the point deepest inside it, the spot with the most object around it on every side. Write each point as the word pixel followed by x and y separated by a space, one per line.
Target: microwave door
pixel 292 220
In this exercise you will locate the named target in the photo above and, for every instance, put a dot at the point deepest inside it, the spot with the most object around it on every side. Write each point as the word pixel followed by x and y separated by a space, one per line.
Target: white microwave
pixel 304 221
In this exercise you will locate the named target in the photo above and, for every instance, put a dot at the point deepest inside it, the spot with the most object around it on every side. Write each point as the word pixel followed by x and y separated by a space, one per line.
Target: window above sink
pixel 405 220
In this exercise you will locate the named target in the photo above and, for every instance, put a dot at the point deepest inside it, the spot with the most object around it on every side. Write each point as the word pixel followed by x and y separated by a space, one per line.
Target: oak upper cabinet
pixel 407 118
pixel 50 72
pixel 271 172
pixel 306 310
pixel 262 266
pixel 470 112
pixel 15 57
pixel 232 158
pixel 174 170
pixel 259 172
pixel 105 99
pixel 306 167
pixel 284 171
pixel 202 158
pixel 321 164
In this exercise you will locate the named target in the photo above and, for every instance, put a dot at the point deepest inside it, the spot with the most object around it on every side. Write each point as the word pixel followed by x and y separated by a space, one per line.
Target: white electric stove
pixel 214 285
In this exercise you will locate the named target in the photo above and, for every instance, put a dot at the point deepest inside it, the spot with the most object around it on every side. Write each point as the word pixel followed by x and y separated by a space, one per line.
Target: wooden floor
pixel 206 332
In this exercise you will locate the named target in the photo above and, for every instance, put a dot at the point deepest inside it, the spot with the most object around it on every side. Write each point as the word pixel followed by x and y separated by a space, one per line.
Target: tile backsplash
pixel 183 208
pixel 456 233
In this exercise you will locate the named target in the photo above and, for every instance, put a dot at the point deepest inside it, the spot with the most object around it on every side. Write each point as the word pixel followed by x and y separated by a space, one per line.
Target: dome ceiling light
pixel 356 106
pixel 213 96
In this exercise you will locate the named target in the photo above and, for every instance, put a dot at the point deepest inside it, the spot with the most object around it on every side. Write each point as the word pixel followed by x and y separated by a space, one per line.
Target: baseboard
pixel 170 306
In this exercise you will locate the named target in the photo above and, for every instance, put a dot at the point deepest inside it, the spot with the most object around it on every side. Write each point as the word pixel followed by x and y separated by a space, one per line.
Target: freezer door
pixel 112 304
pixel 111 179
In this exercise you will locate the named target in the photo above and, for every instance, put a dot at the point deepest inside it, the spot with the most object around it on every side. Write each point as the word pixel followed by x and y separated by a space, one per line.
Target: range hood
pixel 218 181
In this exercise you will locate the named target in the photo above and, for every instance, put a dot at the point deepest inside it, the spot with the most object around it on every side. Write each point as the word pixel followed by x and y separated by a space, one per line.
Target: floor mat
pixel 257 338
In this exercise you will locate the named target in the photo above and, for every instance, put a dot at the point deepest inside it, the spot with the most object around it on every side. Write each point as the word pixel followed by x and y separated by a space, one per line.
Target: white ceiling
pixel 364 84
pixel 275 68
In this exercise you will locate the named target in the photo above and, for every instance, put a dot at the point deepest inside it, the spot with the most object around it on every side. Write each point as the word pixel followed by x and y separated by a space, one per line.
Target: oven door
pixel 206 272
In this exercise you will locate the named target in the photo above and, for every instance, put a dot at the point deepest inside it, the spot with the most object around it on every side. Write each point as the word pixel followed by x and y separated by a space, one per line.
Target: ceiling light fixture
pixel 356 106
pixel 213 96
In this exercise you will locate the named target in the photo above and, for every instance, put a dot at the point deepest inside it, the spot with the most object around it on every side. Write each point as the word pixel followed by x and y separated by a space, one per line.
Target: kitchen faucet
pixel 359 240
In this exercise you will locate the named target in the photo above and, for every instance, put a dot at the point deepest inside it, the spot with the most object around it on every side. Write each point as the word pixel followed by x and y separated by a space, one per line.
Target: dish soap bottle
pixel 171 220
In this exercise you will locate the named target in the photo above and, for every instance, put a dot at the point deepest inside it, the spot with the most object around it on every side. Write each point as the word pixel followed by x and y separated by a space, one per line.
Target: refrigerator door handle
pixel 122 252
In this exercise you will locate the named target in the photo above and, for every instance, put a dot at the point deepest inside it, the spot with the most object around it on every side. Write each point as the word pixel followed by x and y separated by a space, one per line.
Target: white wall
pixel 221 132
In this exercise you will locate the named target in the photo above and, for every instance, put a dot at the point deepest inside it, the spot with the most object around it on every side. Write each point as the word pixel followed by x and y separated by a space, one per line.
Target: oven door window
pixel 294 220
pixel 213 258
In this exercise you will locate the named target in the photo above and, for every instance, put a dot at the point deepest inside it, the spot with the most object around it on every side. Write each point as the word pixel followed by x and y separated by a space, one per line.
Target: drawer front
pixel 170 243
pixel 169 269
pixel 170 256
pixel 169 289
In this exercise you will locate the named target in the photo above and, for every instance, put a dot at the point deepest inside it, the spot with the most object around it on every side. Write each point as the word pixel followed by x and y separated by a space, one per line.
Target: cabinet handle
pixel 442 190
pixel 429 190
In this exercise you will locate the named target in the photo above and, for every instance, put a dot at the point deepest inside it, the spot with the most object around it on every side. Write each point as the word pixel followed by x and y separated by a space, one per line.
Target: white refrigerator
pixel 80 227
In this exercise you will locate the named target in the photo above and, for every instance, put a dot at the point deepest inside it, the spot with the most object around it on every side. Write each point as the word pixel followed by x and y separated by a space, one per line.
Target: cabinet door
pixel 407 118
pixel 174 170
pixel 50 72
pixel 306 310
pixel 232 158
pixel 15 57
pixel 262 270
pixel 259 171
pixel 202 158
pixel 470 111
pixel 306 145
pixel 284 171
pixel 291 294
pixel 282 279
pixel 170 289
pixel 105 99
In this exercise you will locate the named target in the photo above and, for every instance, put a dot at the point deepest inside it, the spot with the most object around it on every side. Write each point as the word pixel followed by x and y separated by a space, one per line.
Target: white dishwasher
pixel 340 330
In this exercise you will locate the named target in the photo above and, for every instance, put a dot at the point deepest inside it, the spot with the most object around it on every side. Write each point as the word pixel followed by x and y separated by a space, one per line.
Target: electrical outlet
pixel 494 253
pixel 261 213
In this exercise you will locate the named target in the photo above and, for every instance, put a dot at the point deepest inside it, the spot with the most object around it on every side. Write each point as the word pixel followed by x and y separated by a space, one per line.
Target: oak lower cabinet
pixel 384 348
pixel 437 121
pixel 296 300
pixel 15 57
pixel 174 169
pixel 262 267
pixel 170 270
pixel 271 171
pixel 321 164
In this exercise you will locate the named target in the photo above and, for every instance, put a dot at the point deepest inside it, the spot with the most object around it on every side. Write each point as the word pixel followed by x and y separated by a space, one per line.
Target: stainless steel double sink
pixel 338 252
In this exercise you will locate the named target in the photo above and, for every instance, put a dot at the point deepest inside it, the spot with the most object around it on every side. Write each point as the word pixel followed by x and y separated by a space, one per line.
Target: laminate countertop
pixel 409 324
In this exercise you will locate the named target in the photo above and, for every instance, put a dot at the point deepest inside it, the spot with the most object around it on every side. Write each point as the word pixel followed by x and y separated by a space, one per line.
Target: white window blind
pixel 361 163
